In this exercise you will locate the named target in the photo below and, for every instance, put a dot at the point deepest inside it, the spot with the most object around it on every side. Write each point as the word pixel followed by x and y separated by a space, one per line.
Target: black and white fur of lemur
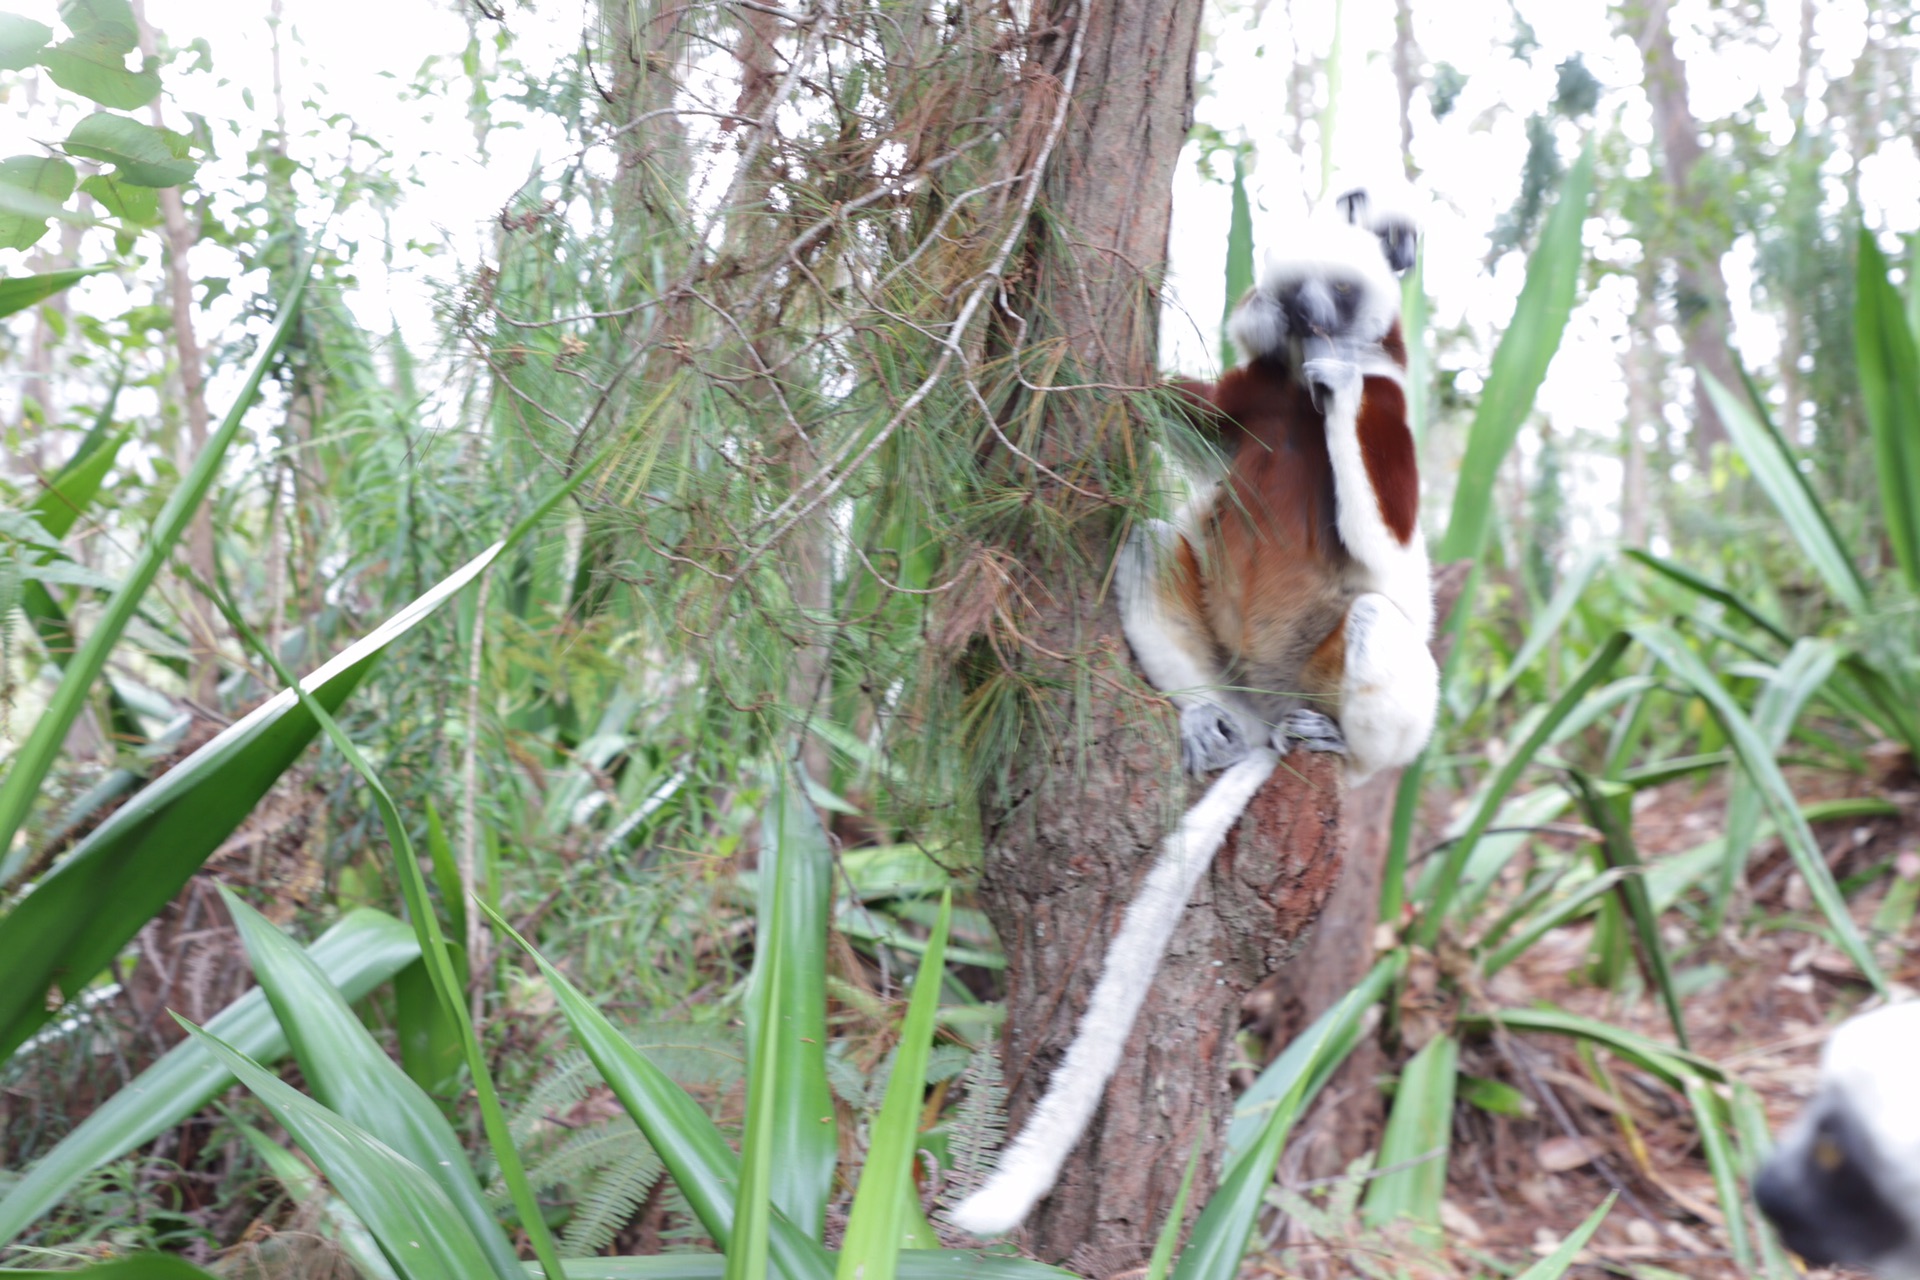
pixel 1289 605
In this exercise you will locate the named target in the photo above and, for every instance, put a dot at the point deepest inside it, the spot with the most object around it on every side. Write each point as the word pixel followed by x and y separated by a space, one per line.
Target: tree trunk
pixel 1700 287
pixel 1074 820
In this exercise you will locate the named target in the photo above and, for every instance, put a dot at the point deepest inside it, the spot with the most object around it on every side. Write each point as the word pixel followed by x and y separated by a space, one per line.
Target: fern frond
pixel 616 1196
pixel 979 1122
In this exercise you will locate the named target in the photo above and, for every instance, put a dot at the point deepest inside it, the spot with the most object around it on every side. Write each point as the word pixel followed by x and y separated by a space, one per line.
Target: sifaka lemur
pixel 1289 605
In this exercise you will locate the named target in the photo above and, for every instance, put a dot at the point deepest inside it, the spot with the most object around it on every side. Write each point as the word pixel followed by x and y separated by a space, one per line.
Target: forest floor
pixel 1761 1002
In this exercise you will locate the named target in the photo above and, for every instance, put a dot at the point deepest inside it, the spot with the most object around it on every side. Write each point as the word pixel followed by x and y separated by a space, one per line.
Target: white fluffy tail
pixel 1030 1164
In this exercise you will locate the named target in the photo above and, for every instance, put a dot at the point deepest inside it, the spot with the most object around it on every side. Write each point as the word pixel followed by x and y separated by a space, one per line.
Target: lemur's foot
pixel 1313 730
pixel 1330 378
pixel 1211 737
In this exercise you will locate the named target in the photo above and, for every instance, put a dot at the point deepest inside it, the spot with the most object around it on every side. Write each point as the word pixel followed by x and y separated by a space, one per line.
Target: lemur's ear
pixel 1391 218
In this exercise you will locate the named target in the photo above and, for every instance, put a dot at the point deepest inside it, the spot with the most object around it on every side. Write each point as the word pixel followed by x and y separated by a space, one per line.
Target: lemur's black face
pixel 1821 1191
pixel 1321 306
pixel 1399 238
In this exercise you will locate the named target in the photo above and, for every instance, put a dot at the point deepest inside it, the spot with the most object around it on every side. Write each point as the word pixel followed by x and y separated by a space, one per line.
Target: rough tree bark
pixel 1074 822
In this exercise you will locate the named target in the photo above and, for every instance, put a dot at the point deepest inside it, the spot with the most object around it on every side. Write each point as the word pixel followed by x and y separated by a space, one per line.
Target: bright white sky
pixel 358 58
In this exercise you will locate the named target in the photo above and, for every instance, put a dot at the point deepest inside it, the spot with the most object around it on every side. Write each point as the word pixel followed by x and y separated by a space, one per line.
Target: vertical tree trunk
pixel 1700 286
pixel 1074 821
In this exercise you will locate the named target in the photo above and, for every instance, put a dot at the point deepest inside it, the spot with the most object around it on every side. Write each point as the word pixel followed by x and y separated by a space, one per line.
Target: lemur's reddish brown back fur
pixel 1270 580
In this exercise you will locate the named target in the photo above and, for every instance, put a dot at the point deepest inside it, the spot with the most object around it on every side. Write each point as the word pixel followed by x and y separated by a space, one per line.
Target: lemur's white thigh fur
pixel 1216 728
pixel 1391 688
pixel 1030 1164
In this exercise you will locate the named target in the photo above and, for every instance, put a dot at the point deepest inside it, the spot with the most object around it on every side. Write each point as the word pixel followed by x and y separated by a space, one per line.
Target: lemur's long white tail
pixel 1029 1165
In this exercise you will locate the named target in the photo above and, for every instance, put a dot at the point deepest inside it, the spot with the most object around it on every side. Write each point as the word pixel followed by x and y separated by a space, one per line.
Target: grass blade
pixel 36 755
pixel 1777 470
pixel 915 1264
pixel 878 1220
pixel 1664 1060
pixel 1414 1147
pixel 1520 363
pixel 17 293
pixel 359 953
pixel 1756 757
pixel 1712 591
pixel 434 952
pixel 1239 253
pixel 1799 676
pixel 1219 1239
pixel 144 1266
pixel 1726 1177
pixel 1545 627
pixel 1555 1264
pixel 1609 808
pixel 1170 1232
pixel 796 866
pixel 1890 389
pixel 1447 879
pixel 1313 1055
pixel 350 1074
pixel 72 924
pixel 422 1234
pixel 702 1165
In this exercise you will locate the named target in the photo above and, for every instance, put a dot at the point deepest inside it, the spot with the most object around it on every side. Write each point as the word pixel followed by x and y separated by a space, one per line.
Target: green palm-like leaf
pixel 357 954
pixel 352 1076
pixel 1890 388
pixel 879 1217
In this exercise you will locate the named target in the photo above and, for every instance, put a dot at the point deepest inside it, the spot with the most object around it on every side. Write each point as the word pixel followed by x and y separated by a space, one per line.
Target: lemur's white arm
pixel 1399 569
pixel 1030 1164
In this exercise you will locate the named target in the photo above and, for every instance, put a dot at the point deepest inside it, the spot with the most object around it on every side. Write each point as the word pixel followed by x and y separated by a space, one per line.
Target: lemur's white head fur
pixel 1843 1185
pixel 1327 278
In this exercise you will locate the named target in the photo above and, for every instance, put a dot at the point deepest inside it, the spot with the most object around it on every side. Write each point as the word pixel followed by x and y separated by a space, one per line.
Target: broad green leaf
pixel 39 181
pixel 21 40
pixel 1726 1176
pixel 1447 879
pixel 431 1049
pixel 1756 757
pixel 94 62
pixel 338 1223
pixel 1239 263
pixel 1413 1150
pixel 1520 363
pixel 434 952
pixel 140 153
pixel 122 198
pixel 1890 389
pixel 1803 672
pixel 357 954
pixel 1778 473
pixel 1557 1263
pixel 81 913
pixel 702 1165
pixel 423 1235
pixel 17 293
pixel 351 1075
pixel 878 1219
pixel 796 867
pixel 1609 808
pixel 1415 316
pixel 1312 1055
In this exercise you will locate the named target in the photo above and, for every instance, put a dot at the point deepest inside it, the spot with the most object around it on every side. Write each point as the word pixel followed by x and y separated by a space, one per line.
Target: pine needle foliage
pixel 780 277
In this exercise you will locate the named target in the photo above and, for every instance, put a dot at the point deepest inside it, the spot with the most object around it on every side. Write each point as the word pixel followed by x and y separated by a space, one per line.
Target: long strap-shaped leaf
pixel 1890 389
pixel 1774 466
pixel 796 868
pixel 418 1228
pixel 352 1075
pixel 1756 757
pixel 37 754
pixel 358 954
pixel 703 1166
pixel 78 917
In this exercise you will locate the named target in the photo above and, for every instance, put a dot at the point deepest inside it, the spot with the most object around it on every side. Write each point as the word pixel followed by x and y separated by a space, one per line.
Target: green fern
pixel 616 1196
pixel 979 1122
